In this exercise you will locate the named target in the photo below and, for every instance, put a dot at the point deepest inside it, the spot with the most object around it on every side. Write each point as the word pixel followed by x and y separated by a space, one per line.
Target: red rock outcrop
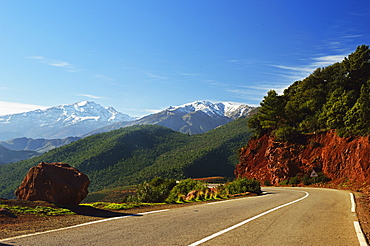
pixel 338 158
pixel 57 183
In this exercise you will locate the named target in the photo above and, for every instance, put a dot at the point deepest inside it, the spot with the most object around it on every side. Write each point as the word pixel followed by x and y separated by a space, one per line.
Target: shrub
pixel 183 188
pixel 294 180
pixel 307 180
pixel 284 182
pixel 243 185
pixel 156 191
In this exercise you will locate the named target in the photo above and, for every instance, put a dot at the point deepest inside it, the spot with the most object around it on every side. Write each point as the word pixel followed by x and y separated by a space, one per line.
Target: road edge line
pixel 246 221
pixel 360 234
pixel 79 225
pixel 353 207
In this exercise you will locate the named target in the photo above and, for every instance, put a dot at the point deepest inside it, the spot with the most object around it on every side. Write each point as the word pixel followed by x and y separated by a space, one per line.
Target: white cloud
pixel 54 62
pixel 156 76
pixel 15 108
pixel 294 73
pixel 190 74
pixel 91 96
pixel 248 94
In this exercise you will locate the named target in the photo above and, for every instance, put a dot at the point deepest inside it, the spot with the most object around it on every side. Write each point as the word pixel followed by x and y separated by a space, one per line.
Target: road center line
pixel 246 221
pixel 84 224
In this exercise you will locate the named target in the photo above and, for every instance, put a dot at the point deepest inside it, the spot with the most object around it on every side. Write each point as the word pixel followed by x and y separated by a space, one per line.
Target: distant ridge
pixel 40 145
pixel 191 118
pixel 59 122
pixel 9 156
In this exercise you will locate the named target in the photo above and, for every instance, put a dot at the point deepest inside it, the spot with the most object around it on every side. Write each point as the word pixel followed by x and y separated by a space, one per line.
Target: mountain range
pixel 42 130
pixel 87 118
pixel 191 118
pixel 59 122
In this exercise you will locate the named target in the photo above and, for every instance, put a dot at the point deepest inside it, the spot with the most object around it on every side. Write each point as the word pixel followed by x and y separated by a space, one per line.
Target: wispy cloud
pixel 294 73
pixel 15 107
pixel 247 94
pixel 55 63
pixel 215 83
pixel 156 76
pixel 92 96
pixel 241 63
pixel 189 74
pixel 103 77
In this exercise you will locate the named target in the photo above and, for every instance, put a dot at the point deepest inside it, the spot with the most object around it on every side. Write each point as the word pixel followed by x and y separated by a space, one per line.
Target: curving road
pixel 283 216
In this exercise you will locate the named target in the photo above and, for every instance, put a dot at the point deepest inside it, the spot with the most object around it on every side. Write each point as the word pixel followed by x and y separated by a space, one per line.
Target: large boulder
pixel 56 182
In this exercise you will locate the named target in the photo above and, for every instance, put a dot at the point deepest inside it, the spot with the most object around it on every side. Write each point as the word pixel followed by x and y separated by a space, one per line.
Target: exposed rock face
pixel 57 183
pixel 338 158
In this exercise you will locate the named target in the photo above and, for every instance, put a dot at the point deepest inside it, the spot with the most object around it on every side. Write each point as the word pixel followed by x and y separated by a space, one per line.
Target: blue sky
pixel 143 56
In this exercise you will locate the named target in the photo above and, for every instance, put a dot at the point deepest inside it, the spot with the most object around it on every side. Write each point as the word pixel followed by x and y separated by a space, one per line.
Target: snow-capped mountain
pixel 192 118
pixel 59 122
pixel 227 109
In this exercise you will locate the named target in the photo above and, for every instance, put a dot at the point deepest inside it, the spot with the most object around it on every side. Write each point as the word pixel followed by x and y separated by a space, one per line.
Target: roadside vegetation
pixel 161 190
pixel 16 210
pixel 305 180
pixel 158 191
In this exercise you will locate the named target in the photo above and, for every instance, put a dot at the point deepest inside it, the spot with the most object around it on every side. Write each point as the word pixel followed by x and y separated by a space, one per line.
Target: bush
pixel 284 182
pixel 307 180
pixel 183 188
pixel 294 180
pixel 243 185
pixel 156 191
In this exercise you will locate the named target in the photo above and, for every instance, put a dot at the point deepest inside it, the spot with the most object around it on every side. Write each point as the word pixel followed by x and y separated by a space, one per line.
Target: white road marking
pixel 246 221
pixel 84 224
pixel 353 207
pixel 360 234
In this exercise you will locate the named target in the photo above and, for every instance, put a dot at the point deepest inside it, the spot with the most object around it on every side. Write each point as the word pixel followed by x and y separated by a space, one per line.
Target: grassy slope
pixel 134 154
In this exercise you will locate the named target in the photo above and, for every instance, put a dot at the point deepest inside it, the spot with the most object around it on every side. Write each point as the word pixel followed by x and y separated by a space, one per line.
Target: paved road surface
pixel 283 216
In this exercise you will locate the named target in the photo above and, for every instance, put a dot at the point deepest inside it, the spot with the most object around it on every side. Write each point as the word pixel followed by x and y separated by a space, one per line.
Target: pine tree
pixel 357 119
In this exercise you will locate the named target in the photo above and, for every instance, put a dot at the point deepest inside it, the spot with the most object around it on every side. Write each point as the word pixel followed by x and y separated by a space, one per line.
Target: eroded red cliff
pixel 338 158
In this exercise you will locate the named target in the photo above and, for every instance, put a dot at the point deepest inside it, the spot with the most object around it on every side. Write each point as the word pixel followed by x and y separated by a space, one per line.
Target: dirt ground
pixel 11 226
pixel 26 224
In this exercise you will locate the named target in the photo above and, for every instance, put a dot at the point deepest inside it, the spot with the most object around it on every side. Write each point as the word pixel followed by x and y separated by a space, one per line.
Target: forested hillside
pixel 334 97
pixel 134 154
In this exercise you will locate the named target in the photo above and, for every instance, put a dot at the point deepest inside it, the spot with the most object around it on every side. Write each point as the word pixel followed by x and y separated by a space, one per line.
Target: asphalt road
pixel 283 216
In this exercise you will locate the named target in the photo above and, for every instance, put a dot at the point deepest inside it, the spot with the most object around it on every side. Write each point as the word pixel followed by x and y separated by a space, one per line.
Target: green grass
pixel 118 206
pixel 39 210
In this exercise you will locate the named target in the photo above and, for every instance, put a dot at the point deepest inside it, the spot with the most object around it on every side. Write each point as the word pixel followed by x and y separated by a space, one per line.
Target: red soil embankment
pixel 338 158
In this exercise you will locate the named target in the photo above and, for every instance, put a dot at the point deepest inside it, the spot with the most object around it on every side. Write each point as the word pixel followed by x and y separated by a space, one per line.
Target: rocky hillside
pixel 321 123
pixel 338 158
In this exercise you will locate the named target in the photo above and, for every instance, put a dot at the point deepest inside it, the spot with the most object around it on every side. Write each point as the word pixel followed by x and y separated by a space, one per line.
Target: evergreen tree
pixel 357 119
pixel 335 109
pixel 272 108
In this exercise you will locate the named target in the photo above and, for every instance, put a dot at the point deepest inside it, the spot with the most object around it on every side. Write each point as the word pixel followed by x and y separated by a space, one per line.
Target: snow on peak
pixel 81 113
pixel 228 109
